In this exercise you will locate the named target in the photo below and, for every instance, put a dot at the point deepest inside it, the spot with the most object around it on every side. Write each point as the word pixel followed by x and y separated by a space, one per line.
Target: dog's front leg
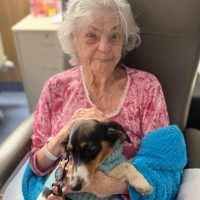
pixel 127 172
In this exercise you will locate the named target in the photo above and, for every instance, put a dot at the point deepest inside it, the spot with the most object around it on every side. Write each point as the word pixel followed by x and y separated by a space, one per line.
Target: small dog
pixel 90 143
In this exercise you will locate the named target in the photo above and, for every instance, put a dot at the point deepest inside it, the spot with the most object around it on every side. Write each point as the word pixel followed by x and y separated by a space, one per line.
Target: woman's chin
pixel 103 67
pixel 105 61
pixel 103 64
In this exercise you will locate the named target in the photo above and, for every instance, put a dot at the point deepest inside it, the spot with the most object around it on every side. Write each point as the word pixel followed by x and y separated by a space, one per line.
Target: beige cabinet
pixel 39 53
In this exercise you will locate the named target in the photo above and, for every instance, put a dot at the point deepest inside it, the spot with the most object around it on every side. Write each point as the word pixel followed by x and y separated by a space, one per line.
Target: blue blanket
pixel 32 185
pixel 161 159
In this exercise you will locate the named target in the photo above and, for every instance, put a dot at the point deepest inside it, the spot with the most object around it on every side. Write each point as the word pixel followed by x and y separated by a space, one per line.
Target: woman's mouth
pixel 104 60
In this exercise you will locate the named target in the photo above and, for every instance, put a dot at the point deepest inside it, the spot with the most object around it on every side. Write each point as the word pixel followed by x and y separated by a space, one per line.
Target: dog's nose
pixel 76 184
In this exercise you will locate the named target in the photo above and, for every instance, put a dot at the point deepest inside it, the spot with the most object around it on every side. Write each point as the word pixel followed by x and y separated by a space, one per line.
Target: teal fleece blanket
pixel 161 159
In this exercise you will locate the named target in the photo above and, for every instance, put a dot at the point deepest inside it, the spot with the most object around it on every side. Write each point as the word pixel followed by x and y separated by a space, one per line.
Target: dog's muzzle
pixel 77 183
pixel 79 177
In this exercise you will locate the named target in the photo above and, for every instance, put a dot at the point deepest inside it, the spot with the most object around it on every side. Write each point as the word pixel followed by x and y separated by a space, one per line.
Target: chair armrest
pixel 14 148
pixel 192 138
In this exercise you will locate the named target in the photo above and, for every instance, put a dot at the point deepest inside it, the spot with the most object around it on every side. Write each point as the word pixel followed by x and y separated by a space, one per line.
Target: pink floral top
pixel 142 108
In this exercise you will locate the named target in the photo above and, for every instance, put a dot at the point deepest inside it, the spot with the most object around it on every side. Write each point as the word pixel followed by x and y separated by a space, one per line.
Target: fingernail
pixel 64 189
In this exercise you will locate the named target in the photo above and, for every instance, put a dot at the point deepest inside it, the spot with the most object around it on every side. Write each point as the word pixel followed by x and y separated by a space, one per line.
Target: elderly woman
pixel 97 34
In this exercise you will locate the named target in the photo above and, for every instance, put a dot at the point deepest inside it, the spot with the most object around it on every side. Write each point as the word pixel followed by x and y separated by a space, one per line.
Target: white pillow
pixel 190 186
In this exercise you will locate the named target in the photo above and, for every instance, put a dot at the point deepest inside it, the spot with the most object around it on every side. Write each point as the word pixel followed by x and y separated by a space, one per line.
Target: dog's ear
pixel 116 132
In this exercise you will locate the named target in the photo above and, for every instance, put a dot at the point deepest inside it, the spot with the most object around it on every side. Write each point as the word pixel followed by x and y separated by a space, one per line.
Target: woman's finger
pixel 79 115
pixel 63 133
pixel 53 197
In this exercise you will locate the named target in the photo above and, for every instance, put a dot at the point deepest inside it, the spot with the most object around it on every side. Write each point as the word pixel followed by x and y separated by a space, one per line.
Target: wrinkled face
pixel 88 149
pixel 99 43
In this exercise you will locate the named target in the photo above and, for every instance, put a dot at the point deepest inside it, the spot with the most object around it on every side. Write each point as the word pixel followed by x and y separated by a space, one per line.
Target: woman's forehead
pixel 97 28
pixel 107 20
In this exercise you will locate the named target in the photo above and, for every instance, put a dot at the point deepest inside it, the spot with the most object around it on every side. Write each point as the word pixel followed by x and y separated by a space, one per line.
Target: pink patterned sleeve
pixel 154 110
pixel 41 128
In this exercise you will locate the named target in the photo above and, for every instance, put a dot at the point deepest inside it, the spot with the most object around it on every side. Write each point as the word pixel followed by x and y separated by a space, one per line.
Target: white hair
pixel 79 11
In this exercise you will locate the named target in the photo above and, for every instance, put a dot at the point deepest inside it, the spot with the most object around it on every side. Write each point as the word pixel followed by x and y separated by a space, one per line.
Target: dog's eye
pixel 91 149
pixel 89 153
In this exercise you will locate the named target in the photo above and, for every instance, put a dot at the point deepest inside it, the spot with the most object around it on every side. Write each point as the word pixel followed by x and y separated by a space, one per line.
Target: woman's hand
pixel 54 145
pixel 66 182
pixel 79 115
pixel 100 184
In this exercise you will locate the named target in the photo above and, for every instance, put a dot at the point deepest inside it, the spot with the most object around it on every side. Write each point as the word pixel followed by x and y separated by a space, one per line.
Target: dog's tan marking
pixel 83 145
pixel 106 150
pixel 69 147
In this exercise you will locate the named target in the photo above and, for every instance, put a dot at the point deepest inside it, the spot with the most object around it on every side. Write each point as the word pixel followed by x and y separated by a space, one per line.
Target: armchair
pixel 170 49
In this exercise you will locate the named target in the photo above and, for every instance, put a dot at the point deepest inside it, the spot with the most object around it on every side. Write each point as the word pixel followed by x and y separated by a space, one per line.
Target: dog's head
pixel 90 142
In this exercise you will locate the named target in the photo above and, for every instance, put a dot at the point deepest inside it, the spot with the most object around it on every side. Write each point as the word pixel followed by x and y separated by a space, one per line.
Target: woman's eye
pixel 115 38
pixel 91 37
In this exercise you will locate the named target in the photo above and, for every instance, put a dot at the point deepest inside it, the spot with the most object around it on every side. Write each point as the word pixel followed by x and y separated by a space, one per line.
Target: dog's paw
pixel 141 185
pixel 127 172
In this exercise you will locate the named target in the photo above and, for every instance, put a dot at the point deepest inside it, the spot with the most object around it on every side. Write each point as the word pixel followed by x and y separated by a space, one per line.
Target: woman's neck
pixel 98 83
pixel 105 92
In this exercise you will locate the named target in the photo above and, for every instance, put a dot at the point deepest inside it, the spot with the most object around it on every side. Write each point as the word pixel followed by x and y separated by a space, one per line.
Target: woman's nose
pixel 103 46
